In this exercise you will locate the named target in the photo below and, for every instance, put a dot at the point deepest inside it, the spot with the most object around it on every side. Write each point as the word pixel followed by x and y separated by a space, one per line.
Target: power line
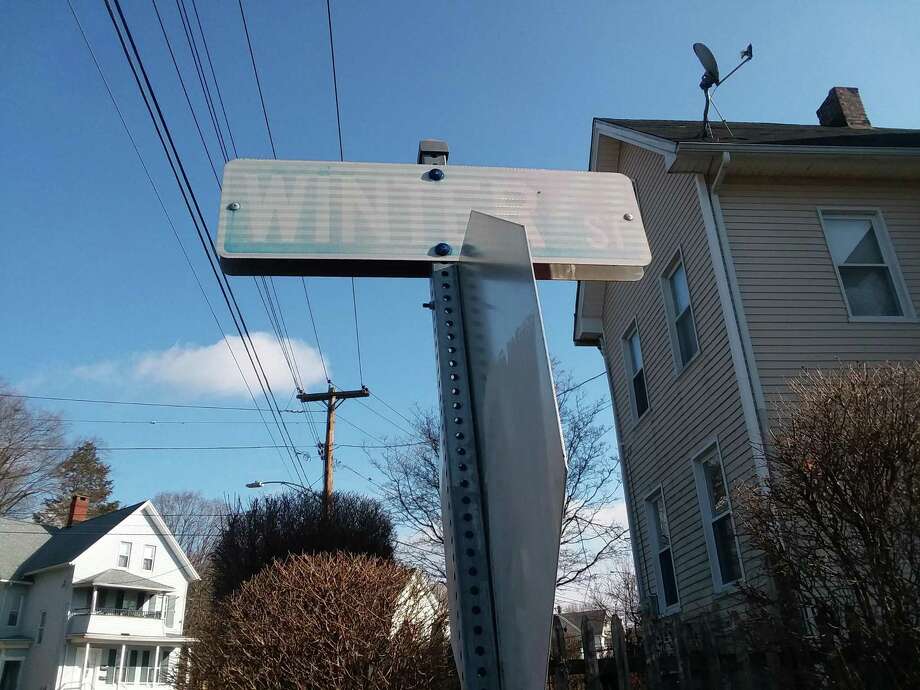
pixel 165 212
pixel 582 383
pixel 133 402
pixel 188 99
pixel 116 448
pixel 335 81
pixel 258 81
pixel 354 304
pixel 319 347
pixel 162 129
pixel 220 98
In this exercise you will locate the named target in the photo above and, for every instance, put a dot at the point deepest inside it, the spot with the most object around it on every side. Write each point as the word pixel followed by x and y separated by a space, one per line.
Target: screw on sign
pixel 482 236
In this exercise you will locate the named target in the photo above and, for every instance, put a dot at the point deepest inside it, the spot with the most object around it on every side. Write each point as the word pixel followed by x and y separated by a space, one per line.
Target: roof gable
pixel 69 542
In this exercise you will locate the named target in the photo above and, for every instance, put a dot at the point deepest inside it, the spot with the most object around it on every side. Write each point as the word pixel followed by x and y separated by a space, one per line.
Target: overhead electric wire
pixel 197 216
pixel 319 347
pixel 252 57
pixel 168 220
pixel 202 79
pixel 580 384
pixel 188 99
pixel 117 448
pixel 338 124
pixel 220 98
pixel 95 401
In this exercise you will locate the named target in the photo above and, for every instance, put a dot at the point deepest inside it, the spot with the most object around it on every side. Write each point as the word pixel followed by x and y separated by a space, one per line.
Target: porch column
pixel 156 665
pixel 92 606
pixel 85 663
pixel 121 665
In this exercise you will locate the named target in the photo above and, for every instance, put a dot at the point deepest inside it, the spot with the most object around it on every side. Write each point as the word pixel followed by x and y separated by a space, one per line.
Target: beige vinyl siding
pixel 685 410
pixel 795 311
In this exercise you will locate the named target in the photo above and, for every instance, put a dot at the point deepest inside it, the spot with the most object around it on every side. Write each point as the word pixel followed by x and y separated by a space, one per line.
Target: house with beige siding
pixel 775 247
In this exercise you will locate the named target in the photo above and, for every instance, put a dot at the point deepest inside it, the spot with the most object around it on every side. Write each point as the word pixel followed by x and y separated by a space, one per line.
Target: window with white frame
pixel 40 635
pixel 124 554
pixel 715 506
pixel 15 612
pixel 660 537
pixel 863 259
pixel 679 309
pixel 635 367
pixel 150 553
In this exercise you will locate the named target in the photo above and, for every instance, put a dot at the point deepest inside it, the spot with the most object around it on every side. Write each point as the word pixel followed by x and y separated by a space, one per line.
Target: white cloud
pixel 210 370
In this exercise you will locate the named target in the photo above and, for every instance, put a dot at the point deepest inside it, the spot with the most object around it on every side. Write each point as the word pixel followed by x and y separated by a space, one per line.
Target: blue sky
pixel 96 299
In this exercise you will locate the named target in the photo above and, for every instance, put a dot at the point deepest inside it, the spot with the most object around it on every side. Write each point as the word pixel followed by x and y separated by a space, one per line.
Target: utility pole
pixel 332 398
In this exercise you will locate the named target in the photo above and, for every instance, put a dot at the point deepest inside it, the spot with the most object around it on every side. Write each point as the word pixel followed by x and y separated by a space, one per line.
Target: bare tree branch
pixel 412 480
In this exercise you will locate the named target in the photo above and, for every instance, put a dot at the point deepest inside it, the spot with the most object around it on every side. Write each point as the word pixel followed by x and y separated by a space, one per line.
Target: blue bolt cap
pixel 436 174
pixel 442 249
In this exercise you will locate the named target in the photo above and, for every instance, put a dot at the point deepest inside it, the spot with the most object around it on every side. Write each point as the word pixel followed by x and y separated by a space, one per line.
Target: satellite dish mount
pixel 711 78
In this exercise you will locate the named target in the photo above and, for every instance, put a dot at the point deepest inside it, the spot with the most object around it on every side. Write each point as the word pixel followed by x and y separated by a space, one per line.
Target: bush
pixel 838 522
pixel 340 621
pixel 273 527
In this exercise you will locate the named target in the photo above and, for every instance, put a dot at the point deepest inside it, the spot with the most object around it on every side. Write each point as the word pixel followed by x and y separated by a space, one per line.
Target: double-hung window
pixel 150 553
pixel 679 309
pixel 716 510
pixel 865 264
pixel 660 537
pixel 124 554
pixel 635 368
pixel 40 634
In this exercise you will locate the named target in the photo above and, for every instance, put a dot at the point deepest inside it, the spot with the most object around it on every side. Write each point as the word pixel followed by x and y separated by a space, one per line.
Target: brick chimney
pixel 843 108
pixel 78 507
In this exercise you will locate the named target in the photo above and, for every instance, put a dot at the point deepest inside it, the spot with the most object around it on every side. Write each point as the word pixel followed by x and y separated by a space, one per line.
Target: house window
pixel 681 323
pixel 40 635
pixel 124 554
pixel 149 555
pixel 715 506
pixel 12 619
pixel 636 369
pixel 660 534
pixel 863 259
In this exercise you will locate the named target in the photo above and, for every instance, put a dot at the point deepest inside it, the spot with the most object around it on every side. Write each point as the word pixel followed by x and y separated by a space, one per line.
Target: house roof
pixel 67 543
pixel 114 577
pixel 20 540
pixel 678 131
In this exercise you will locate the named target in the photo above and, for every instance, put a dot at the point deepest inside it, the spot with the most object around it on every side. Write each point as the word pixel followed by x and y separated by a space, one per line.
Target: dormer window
pixel 124 554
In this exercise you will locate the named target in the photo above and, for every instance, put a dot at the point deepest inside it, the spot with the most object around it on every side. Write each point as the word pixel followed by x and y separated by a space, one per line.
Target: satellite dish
pixel 708 60
pixel 711 78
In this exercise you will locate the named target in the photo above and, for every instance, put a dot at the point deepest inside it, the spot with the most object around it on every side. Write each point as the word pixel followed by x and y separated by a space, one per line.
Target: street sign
pixel 515 492
pixel 381 219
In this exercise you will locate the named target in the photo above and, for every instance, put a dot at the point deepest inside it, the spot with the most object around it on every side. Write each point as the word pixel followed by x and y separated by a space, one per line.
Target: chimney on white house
pixel 79 505
pixel 843 108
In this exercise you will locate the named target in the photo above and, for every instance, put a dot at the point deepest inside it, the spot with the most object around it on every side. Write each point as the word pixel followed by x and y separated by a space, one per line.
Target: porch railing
pixel 109 611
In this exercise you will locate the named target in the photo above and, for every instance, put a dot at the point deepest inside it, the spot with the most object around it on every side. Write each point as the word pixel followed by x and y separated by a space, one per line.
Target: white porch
pixel 97 663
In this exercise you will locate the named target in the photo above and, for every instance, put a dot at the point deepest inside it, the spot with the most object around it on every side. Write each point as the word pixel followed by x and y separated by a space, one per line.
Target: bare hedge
pixel 326 621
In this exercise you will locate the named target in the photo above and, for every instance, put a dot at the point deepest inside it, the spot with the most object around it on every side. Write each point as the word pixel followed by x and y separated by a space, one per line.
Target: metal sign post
pixel 503 462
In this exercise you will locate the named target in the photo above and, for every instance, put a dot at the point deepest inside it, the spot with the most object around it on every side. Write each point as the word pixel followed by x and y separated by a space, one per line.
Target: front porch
pixel 99 663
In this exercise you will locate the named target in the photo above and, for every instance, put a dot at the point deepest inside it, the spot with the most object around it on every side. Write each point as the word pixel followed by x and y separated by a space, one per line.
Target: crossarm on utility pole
pixel 332 398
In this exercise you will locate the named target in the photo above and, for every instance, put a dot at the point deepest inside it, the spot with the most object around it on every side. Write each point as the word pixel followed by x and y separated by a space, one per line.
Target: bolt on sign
pixel 483 236
pixel 380 219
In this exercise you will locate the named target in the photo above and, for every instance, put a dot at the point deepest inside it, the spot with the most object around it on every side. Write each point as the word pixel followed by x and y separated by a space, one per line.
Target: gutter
pixel 787 149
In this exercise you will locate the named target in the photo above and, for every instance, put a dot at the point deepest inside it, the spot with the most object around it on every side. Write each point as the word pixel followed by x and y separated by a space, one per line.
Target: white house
pixel 97 604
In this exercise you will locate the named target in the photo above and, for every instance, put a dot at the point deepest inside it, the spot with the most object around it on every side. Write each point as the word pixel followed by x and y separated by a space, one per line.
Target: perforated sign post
pixel 482 235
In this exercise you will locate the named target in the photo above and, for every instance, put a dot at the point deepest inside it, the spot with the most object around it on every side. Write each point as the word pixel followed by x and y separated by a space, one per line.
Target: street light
pixel 259 484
